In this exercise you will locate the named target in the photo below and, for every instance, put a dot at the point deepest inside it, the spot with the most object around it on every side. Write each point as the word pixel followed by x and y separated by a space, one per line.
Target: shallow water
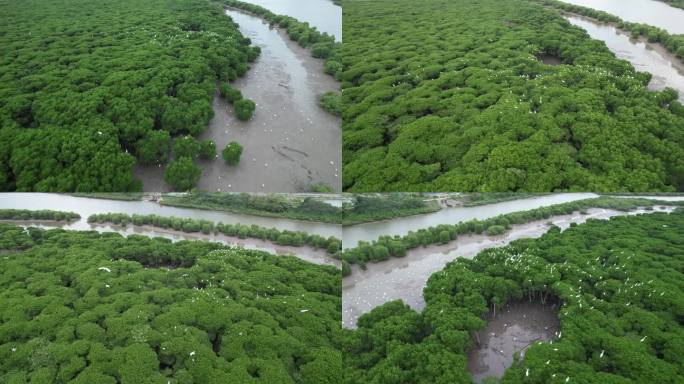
pixel 322 14
pixel 290 143
pixel 652 12
pixel 86 207
pixel 312 255
pixel 404 278
pixel 513 329
pixel 402 225
pixel 666 69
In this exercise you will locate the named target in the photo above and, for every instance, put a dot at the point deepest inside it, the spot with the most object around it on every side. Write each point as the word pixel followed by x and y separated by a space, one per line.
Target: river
pixel 655 13
pixel 666 69
pixel 291 143
pixel 86 207
pixel 322 14
pixel 404 278
pixel 402 225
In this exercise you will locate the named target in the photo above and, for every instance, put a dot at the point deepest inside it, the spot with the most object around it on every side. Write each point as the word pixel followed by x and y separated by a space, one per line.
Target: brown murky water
pixel 514 328
pixel 404 278
pixel 86 207
pixel 653 12
pixel 324 15
pixel 291 143
pixel 667 70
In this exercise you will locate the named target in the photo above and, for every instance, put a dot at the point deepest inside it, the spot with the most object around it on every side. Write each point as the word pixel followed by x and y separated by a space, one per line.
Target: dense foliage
pixel 287 206
pixel 244 109
pixel 365 208
pixel 232 152
pixel 396 246
pixel 88 85
pixel 83 307
pixel 621 288
pixel 182 174
pixel 453 96
pixel 293 238
pixel 229 93
pixel 26 214
pixel 331 102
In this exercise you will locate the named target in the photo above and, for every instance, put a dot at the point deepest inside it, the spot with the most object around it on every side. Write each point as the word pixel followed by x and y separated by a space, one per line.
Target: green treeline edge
pixel 673 43
pixel 309 209
pixel 619 286
pixel 293 238
pixel 397 246
pixel 26 214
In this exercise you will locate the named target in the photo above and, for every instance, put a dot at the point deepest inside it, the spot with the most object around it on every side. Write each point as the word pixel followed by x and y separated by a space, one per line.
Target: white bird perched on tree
pixel 104 269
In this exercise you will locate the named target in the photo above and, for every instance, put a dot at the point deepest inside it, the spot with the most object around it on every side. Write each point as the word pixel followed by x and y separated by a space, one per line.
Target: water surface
pixel 322 14
pixel 290 143
pixel 666 69
pixel 404 278
pixel 652 12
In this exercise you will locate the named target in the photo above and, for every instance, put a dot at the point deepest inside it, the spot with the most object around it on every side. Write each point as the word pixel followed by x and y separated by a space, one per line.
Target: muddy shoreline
pixel 404 278
pixel 306 253
pixel 514 329
pixel 291 143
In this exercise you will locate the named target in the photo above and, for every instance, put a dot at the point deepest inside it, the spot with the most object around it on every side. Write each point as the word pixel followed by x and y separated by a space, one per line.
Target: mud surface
pixel 291 143
pixel 402 225
pixel 667 70
pixel 86 207
pixel 514 328
pixel 404 278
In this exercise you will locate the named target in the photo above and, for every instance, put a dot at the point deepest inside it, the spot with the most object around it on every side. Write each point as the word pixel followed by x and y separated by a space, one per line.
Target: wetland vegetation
pixel 616 285
pixel 85 307
pixel 453 96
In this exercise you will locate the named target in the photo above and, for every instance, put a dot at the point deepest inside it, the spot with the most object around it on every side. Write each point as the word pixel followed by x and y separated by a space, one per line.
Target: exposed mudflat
pixel 514 328
pixel 312 255
pixel 666 69
pixel 290 143
pixel 404 278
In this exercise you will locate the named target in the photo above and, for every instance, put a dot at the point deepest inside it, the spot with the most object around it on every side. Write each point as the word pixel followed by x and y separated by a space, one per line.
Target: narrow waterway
pixel 404 278
pixel 86 207
pixel 666 69
pixel 290 143
pixel 322 14
pixel 652 12
pixel 310 254
pixel 402 225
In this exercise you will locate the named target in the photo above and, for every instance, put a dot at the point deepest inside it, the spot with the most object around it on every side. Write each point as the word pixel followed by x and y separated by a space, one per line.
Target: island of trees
pixel 85 307
pixel 26 214
pixel 273 205
pixel 189 225
pixel 619 285
pixel 397 246
pixel 90 89
pixel 454 96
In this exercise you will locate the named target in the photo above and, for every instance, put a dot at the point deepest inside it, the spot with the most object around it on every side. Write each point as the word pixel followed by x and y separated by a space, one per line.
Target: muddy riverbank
pixel 324 15
pixel 291 143
pixel 402 225
pixel 667 70
pixel 87 206
pixel 517 326
pixel 652 12
pixel 312 255
pixel 404 278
